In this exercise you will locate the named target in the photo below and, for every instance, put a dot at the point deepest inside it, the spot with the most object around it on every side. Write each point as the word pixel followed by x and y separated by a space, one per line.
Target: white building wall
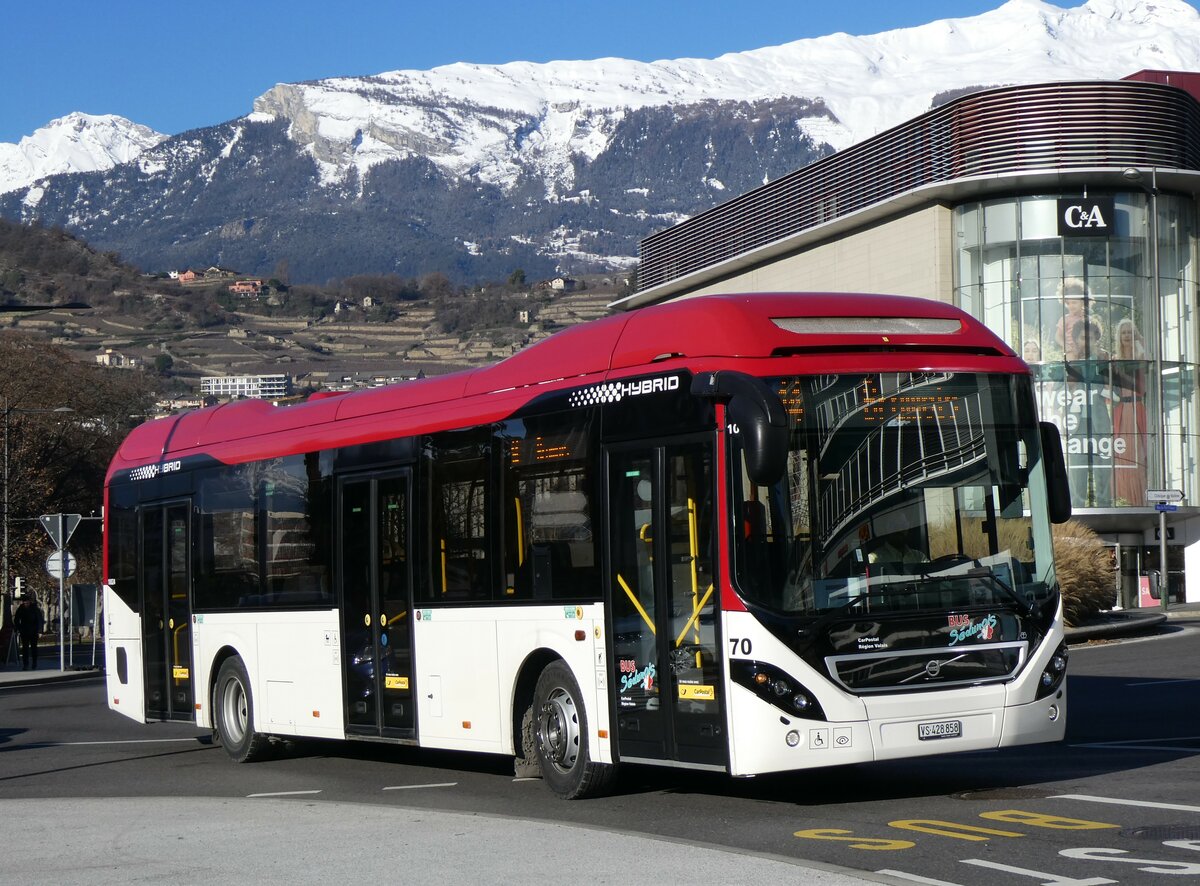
pixel 907 255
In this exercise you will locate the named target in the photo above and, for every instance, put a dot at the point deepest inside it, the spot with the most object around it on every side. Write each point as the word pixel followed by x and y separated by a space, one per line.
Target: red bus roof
pixel 692 333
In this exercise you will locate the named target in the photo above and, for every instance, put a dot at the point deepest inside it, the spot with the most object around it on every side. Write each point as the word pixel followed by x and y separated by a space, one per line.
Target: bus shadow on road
pixel 1109 731
pixel 378 752
pixel 1114 725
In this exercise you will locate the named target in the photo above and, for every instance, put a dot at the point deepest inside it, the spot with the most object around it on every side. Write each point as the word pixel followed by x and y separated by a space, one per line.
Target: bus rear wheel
pixel 561 737
pixel 233 713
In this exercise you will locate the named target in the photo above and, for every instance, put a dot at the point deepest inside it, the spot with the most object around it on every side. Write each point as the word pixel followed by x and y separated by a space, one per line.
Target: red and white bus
pixel 746 534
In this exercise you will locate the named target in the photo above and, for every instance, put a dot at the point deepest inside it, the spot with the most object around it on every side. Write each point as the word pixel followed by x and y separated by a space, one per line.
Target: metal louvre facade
pixel 1008 131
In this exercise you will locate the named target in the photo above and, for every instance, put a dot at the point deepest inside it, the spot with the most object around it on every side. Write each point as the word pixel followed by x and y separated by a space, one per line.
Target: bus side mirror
pixel 1058 490
pixel 759 415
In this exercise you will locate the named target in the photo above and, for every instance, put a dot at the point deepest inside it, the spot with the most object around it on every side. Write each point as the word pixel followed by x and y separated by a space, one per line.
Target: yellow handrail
pixel 520 533
pixel 694 550
pixel 692 620
pixel 637 604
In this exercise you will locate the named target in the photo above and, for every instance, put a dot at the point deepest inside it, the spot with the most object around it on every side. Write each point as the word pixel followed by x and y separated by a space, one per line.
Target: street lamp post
pixel 1135 176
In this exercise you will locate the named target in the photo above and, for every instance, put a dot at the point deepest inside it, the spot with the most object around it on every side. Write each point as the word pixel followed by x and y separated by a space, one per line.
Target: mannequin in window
pixel 1088 420
pixel 1074 297
pixel 1130 442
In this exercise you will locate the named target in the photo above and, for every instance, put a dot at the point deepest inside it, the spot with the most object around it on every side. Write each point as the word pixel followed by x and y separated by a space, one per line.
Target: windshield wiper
pixel 817 626
pixel 985 572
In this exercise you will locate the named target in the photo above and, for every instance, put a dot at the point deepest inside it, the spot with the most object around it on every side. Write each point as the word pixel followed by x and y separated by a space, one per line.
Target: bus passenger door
pixel 667 678
pixel 376 583
pixel 167 611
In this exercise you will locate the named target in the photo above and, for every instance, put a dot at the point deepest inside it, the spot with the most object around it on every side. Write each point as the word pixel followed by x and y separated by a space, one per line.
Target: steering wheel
pixel 947 560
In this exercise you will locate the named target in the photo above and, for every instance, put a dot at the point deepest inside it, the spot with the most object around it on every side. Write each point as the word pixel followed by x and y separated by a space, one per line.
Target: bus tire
pixel 561 737
pixel 233 713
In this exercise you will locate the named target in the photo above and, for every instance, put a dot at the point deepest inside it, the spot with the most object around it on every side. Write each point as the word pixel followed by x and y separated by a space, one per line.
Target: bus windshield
pixel 903 491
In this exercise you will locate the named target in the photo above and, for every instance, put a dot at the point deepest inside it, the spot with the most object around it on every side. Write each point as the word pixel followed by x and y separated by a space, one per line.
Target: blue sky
pixel 179 64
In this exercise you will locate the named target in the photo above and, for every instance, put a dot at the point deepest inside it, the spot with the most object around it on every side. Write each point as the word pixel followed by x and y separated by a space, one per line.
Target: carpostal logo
pixel 616 391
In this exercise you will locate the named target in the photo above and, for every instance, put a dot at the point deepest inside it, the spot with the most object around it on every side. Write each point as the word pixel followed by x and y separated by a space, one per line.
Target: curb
pixel 25 679
pixel 1116 624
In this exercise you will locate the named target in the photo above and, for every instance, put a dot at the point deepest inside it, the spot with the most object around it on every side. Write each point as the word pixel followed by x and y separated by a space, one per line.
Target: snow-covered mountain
pixel 474 170
pixel 74 143
pixel 498 122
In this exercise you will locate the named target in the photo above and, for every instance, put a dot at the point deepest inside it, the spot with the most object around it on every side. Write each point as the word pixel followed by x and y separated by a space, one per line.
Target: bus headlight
pixel 776 687
pixel 1054 672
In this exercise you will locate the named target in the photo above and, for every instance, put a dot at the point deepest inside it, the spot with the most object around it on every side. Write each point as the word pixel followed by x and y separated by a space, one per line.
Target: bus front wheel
pixel 233 713
pixel 561 737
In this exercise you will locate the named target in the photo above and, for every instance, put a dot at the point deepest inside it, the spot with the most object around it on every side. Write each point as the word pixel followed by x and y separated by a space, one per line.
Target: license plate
pixel 941 729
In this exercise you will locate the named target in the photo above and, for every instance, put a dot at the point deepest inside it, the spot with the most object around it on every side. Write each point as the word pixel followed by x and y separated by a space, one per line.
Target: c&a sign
pixel 1080 217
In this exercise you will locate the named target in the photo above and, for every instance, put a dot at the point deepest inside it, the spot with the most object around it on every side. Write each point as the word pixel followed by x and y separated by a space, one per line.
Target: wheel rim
pixel 234 714
pixel 558 730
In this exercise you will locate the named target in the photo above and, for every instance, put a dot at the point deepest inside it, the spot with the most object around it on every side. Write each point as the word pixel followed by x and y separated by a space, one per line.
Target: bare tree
pixel 62 422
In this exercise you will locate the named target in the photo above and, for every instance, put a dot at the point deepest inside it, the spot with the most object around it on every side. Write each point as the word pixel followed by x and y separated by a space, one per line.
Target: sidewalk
pixel 1130 622
pixel 221 840
pixel 11 675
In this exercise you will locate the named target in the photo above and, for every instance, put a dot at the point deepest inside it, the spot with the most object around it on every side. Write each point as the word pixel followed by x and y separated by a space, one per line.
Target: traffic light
pixel 18 585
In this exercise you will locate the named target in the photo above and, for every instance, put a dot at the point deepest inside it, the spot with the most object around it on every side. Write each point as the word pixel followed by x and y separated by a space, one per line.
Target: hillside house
pixel 117 360
pixel 247 288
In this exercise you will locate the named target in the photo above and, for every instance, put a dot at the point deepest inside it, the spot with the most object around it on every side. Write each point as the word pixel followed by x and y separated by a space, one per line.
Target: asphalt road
pixel 1118 801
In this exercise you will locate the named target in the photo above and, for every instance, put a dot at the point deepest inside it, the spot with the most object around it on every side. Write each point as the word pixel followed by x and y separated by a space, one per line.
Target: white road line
pixel 1177 807
pixel 1160 682
pixel 410 787
pixel 915 878
pixel 281 794
pixel 1050 879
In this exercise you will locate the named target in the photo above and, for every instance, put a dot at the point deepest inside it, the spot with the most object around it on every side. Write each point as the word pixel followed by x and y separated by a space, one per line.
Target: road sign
pixel 1164 495
pixel 60 527
pixel 56 561
pixel 1163 506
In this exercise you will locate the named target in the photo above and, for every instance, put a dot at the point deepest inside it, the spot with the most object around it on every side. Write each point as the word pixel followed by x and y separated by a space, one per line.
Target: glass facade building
pixel 1082 311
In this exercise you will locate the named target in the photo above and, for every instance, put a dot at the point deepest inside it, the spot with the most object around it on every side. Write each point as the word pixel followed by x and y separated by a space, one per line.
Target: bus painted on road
pixel 741 533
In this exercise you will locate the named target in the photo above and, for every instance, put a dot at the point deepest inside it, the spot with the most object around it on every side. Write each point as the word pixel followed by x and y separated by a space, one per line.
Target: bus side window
pixel 296 563
pixel 461 556
pixel 123 544
pixel 227 572
pixel 549 514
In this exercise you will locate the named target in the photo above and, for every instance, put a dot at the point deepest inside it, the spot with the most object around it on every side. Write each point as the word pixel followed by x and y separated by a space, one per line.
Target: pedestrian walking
pixel 29 622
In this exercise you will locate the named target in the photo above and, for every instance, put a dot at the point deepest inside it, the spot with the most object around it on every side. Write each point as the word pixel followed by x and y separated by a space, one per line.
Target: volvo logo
pixel 933 668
